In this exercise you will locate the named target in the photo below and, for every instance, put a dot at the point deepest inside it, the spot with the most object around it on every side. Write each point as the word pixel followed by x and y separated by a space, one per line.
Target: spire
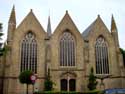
pixel 113 25
pixel 114 31
pixel 49 27
pixel 11 26
pixel 12 16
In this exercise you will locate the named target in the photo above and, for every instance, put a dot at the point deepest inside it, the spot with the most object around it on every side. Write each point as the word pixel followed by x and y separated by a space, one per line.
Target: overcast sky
pixel 83 12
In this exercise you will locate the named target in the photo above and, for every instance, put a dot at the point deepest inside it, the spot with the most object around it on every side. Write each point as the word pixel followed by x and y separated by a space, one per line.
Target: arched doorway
pixel 72 85
pixel 63 84
pixel 68 82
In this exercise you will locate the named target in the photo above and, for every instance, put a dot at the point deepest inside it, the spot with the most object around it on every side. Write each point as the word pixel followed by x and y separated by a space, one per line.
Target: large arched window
pixel 67 49
pixel 29 53
pixel 101 54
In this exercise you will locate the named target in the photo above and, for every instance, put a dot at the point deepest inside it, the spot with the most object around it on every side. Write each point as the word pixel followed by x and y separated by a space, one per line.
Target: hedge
pixel 71 92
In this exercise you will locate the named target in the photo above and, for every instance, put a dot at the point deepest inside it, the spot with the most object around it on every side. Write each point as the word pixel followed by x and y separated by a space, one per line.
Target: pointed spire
pixel 11 26
pixel 113 25
pixel 114 31
pixel 12 16
pixel 49 27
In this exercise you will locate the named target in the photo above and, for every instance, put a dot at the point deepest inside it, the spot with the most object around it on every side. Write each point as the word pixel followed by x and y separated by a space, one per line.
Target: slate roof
pixel 98 21
pixel 87 31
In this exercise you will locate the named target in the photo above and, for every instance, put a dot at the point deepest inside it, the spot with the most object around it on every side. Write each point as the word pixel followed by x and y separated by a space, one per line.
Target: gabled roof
pixel 87 31
pixel 30 19
pixel 91 28
pixel 66 23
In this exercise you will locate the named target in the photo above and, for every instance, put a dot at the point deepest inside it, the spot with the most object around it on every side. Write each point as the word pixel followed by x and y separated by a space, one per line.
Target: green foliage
pixel 57 92
pixel 123 54
pixel 93 92
pixel 66 92
pixel 4 50
pixel 48 84
pixel 24 77
pixel 0 25
pixel 1 34
pixel 92 80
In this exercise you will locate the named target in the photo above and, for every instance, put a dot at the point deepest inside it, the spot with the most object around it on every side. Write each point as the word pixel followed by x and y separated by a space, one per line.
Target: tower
pixel 11 26
pixel 8 63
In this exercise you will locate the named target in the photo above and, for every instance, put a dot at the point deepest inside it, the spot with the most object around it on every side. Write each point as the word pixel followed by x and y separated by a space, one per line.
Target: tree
pixel 1 30
pixel 92 80
pixel 48 84
pixel 1 54
pixel 1 34
pixel 24 78
pixel 123 54
pixel 5 48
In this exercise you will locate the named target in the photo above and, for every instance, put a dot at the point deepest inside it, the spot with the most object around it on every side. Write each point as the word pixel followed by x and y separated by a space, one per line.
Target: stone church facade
pixel 68 54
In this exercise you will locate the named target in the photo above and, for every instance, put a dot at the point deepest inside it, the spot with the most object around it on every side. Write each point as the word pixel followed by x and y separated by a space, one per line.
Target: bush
pixel 24 77
pixel 48 85
pixel 56 92
pixel 71 92
pixel 93 92
pixel 92 80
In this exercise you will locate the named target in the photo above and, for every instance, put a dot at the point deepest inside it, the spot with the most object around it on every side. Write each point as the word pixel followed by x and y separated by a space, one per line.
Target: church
pixel 67 53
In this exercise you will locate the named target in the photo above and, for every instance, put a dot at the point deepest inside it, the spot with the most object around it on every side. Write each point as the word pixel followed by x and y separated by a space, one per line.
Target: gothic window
pixel 101 54
pixel 29 53
pixel 67 49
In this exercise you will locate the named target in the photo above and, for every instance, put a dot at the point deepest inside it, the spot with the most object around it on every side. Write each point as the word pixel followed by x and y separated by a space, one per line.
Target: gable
pixel 30 23
pixel 100 29
pixel 67 24
pixel 97 26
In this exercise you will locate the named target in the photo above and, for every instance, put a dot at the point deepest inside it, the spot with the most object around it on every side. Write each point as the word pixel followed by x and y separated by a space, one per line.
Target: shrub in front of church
pixel 71 92
pixel 56 92
pixel 92 80
pixel 48 84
